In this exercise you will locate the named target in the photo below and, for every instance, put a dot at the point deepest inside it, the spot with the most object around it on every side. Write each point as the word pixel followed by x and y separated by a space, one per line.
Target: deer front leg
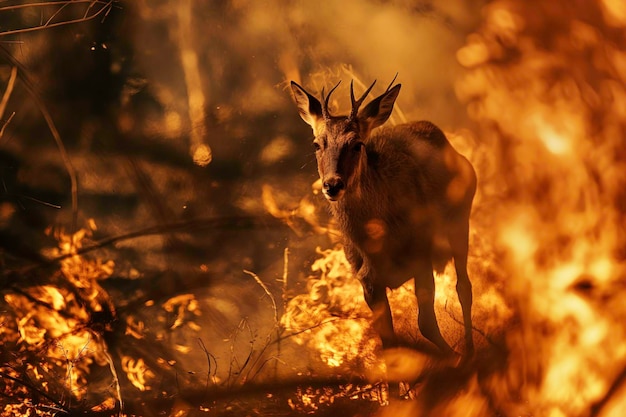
pixel 354 257
pixel 376 299
pixel 426 319
pixel 459 241
pixel 382 321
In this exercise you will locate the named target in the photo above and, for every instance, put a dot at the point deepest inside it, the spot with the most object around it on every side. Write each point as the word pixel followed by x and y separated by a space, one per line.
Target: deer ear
pixel 309 107
pixel 378 110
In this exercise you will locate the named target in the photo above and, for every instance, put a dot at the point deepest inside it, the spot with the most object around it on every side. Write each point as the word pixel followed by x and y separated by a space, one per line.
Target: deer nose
pixel 333 186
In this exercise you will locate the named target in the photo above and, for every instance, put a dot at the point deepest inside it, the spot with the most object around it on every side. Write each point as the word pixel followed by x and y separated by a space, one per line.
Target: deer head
pixel 340 140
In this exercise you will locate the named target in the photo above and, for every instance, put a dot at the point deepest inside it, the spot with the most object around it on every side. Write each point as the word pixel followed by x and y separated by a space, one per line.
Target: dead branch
pixel 354 385
pixel 186 226
pixel 233 358
pixel 22 73
pixel 209 356
pixel 297 332
pixel 93 9
pixel 116 379
pixel 33 389
pixel 8 91
pixel 476 329
pixel 285 278
pixel 5 100
pixel 277 326
pixel 267 291
pixel 5 124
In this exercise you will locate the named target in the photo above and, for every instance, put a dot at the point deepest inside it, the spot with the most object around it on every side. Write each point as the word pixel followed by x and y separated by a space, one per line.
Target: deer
pixel 401 197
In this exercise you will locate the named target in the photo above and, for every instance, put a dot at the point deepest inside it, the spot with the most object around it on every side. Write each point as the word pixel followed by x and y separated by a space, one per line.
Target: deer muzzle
pixel 333 187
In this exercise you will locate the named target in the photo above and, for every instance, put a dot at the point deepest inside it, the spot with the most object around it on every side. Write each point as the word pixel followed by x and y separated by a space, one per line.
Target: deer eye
pixel 317 146
pixel 358 146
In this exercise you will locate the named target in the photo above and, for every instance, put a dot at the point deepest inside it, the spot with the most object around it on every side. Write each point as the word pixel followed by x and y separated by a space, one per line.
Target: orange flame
pixel 550 104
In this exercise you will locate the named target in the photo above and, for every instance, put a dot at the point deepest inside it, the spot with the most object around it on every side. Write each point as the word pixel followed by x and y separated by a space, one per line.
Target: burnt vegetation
pixel 165 246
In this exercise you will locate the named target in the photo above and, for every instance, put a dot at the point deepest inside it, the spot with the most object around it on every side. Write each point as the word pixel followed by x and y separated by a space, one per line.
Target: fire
pixel 553 120
pixel 544 84
pixel 52 320
pixel 137 372
pixel 545 87
pixel 332 318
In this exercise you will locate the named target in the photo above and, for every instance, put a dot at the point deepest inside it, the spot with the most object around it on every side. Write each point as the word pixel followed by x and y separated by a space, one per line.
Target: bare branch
pixel 186 226
pixel 33 389
pixel 53 130
pixel 5 124
pixel 8 91
pixel 209 356
pixel 285 278
pixel 116 379
pixel 267 291
pixel 94 9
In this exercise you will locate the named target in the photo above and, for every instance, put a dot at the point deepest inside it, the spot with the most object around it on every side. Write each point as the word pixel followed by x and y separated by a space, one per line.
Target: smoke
pixel 219 71
pixel 247 51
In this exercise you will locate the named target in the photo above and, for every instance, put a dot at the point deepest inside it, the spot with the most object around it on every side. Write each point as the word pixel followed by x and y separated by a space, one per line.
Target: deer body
pixel 401 197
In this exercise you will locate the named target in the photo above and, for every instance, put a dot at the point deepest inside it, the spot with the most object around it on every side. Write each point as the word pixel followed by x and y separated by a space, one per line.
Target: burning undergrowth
pixel 51 342
pixel 332 317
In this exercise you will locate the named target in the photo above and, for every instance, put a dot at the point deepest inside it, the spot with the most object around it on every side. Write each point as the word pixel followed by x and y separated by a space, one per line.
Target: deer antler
pixel 391 83
pixel 357 103
pixel 325 112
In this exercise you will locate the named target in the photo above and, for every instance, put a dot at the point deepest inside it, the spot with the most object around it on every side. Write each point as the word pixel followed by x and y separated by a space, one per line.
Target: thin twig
pixel 68 378
pixel 5 124
pixel 58 410
pixel 34 389
pixel 36 200
pixel 105 8
pixel 233 358
pixel 52 127
pixel 267 291
pixel 284 297
pixel 260 368
pixel 55 14
pixel 277 325
pixel 285 277
pixel 253 367
pixel 116 379
pixel 181 226
pixel 208 355
pixel 288 335
pixel 8 91
pixel 476 329
pixel 250 354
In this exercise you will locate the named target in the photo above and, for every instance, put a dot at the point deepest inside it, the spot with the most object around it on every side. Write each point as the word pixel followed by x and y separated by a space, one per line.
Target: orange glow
pixel 54 319
pixel 138 374
pixel 535 98
pixel 332 318
pixel 558 224
pixel 545 86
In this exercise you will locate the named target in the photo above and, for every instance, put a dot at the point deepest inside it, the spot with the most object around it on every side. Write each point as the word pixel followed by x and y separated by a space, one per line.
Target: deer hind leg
pixel 458 236
pixel 426 319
